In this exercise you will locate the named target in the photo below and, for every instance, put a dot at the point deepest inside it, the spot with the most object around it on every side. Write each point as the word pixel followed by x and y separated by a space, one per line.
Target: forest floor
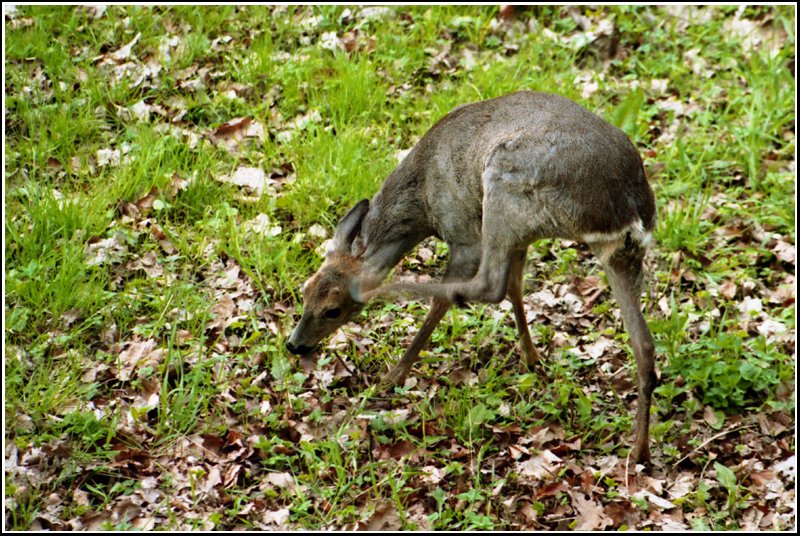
pixel 172 174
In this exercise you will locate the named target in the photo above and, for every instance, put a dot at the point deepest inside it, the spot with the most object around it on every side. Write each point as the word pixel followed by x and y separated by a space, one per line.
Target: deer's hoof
pixel 393 378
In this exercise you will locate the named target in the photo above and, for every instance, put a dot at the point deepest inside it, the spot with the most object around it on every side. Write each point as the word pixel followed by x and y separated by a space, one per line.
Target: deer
pixel 489 179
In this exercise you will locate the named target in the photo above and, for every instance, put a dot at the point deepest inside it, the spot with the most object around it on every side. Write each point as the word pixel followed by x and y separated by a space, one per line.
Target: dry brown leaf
pixel 232 126
pixel 654 500
pixel 234 133
pixel 108 157
pixel 594 350
pixel 162 238
pixel 384 518
pixel 261 225
pixel 138 354
pixel 590 514
pixel 543 466
pixel 552 489
pixel 728 289
pixel 148 263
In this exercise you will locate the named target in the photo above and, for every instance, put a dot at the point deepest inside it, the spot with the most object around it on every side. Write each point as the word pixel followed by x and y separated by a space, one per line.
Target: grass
pixel 713 117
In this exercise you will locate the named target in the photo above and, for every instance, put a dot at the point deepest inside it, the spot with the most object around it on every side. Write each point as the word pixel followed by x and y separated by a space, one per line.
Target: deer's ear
pixel 348 228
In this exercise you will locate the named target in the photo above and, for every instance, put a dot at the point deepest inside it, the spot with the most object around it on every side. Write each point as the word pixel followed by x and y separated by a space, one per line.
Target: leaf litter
pixel 552 481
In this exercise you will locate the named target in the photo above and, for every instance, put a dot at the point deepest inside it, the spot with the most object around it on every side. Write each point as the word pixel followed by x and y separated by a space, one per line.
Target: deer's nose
pixel 299 349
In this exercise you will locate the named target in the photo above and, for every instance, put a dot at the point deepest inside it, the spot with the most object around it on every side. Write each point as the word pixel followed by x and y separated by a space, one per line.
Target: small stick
pixel 709 440
pixel 357 372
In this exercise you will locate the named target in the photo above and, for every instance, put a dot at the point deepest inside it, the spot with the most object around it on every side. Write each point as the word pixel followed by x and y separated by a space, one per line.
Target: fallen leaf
pixel 590 514
pixel 148 263
pixel 108 157
pixel 728 289
pixel 654 499
pixel 715 419
pixel 252 179
pixel 105 251
pixel 552 489
pixel 593 350
pixel 544 465
pixel 261 225
pixel 384 518
pixel 682 485
pixel 750 306
pixel 275 517
pixel 785 252
pixel 280 480
pixel 138 354
pixel 787 468
pixel 125 52
pixel 232 126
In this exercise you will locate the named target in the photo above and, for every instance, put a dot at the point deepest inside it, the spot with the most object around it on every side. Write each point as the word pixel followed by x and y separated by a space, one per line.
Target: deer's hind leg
pixel 625 273
pixel 516 274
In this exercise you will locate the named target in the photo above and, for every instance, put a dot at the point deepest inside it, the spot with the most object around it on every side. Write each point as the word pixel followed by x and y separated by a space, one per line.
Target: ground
pixel 172 174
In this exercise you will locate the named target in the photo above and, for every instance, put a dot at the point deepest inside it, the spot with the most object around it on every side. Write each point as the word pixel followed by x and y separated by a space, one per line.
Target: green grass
pixel 721 164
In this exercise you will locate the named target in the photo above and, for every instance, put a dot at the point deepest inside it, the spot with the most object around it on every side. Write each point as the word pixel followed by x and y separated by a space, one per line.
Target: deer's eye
pixel 333 313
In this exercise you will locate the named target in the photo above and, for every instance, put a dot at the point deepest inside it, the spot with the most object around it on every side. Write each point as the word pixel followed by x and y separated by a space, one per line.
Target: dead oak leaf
pixel 654 500
pixel 260 225
pixel 236 132
pixel 108 157
pixel 552 489
pixel 545 465
pixel 728 289
pixel 275 517
pixel 146 202
pixel 148 263
pixel 233 126
pixel 593 350
pixel 396 451
pixel 279 480
pixel 223 314
pixel 162 239
pixel 537 436
pixel 136 355
pixel 590 514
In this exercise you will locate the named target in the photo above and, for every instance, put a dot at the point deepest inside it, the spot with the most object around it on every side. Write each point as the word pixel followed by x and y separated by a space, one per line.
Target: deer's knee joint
pixel 459 299
pixel 493 295
pixel 479 290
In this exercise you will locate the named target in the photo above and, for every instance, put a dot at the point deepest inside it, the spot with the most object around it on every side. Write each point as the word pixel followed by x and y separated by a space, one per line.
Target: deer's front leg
pixel 400 371
pixel 462 265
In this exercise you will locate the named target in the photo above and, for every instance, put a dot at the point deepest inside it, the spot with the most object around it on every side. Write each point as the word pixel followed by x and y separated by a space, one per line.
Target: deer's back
pixel 556 161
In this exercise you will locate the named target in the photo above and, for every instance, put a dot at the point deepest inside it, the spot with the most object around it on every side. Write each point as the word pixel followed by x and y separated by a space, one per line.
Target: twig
pixel 357 372
pixel 710 439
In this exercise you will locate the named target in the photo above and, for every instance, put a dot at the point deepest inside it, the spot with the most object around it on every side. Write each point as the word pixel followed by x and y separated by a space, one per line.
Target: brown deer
pixel 488 179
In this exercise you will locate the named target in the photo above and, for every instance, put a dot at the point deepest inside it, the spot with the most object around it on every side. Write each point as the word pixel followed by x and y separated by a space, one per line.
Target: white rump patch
pixel 636 228
pixel 605 244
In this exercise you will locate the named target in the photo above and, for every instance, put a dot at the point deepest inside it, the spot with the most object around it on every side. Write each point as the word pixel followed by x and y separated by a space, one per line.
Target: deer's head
pixel 327 300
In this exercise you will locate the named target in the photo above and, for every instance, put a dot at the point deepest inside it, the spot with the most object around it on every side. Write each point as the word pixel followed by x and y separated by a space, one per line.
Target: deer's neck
pixel 397 220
